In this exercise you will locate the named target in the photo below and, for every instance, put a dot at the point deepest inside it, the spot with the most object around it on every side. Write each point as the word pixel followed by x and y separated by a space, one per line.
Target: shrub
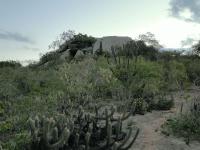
pixel 175 75
pixel 141 106
pixel 12 64
pixel 186 125
pixel 17 142
pixel 5 126
pixel 2 109
pixel 193 71
pixel 164 103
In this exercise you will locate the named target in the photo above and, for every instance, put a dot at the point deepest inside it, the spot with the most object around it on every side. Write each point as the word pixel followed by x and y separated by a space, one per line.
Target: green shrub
pixel 2 110
pixel 141 106
pixel 17 142
pixel 175 75
pixel 186 125
pixel 5 126
pixel 12 64
pixel 148 74
pixel 193 71
pixel 164 103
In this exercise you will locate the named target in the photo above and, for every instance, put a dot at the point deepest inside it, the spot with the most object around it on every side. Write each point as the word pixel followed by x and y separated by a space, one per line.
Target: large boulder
pixel 79 55
pixel 65 55
pixel 109 41
pixel 87 50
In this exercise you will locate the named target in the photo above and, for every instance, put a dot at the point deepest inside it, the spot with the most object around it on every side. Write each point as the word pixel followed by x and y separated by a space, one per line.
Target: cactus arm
pixel 1 148
pixel 118 127
pixel 109 133
pixel 126 140
pixel 87 140
pixel 126 116
pixel 62 140
pixel 112 111
pixel 34 127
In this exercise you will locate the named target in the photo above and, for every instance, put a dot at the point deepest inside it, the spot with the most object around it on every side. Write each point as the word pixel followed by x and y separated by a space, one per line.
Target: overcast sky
pixel 27 27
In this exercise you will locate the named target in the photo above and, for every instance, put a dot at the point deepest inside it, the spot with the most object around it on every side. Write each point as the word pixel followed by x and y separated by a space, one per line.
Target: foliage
pixel 141 106
pixel 5 126
pixel 175 75
pixel 164 102
pixel 193 70
pixel 186 125
pixel 63 37
pixel 82 41
pixel 150 39
pixel 50 56
pixel 82 132
pixel 17 142
pixel 149 74
pixel 136 74
pixel 12 64
pixel 67 41
pixel 196 48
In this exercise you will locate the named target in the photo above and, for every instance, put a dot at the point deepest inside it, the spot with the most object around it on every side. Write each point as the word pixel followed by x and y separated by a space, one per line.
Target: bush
pixel 12 64
pixel 141 106
pixel 193 70
pixel 186 125
pixel 175 75
pixel 5 127
pixel 148 74
pixel 17 142
pixel 164 103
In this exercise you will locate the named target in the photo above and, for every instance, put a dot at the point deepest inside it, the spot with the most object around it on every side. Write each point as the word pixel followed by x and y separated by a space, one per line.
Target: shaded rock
pixel 79 55
pixel 109 41
pixel 66 55
pixel 87 50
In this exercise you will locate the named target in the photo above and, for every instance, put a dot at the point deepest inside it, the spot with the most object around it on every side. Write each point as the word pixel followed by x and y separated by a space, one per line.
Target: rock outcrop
pixel 109 41
pixel 79 55
pixel 65 55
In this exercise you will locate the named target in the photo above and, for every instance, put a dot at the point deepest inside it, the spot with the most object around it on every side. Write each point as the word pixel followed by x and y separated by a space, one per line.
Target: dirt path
pixel 151 138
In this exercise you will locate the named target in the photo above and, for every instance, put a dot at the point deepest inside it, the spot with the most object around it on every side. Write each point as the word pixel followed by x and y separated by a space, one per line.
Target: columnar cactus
pixel 115 138
pixel 1 147
pixel 46 135
pixel 99 131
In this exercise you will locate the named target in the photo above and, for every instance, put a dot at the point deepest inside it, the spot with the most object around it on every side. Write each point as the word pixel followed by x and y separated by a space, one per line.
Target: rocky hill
pixel 109 41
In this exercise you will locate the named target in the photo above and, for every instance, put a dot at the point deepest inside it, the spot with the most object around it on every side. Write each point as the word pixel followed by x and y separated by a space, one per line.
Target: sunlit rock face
pixel 109 41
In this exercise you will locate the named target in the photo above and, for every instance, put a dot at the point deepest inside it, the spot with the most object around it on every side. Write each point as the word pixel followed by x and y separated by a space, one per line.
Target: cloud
pixel 31 48
pixel 13 36
pixel 187 10
pixel 188 42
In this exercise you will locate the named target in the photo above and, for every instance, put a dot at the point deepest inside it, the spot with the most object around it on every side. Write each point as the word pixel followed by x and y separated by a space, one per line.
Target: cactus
pixel 114 132
pixel 46 135
pixel 1 148
pixel 87 141
pixel 121 146
pixel 98 131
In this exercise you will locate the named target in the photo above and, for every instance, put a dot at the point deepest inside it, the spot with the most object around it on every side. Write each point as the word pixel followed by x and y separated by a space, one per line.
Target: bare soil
pixel 151 138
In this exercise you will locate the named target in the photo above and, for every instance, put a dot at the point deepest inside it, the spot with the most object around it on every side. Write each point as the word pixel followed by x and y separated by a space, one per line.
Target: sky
pixel 27 27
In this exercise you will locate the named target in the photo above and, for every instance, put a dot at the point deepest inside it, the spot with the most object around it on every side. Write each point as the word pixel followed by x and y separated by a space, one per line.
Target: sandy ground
pixel 151 138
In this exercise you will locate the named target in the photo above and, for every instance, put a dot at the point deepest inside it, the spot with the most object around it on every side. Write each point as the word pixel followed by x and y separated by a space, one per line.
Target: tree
pixel 196 48
pixel 61 39
pixel 149 39
pixel 82 41
pixel 139 48
pixel 70 40
pixel 12 64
